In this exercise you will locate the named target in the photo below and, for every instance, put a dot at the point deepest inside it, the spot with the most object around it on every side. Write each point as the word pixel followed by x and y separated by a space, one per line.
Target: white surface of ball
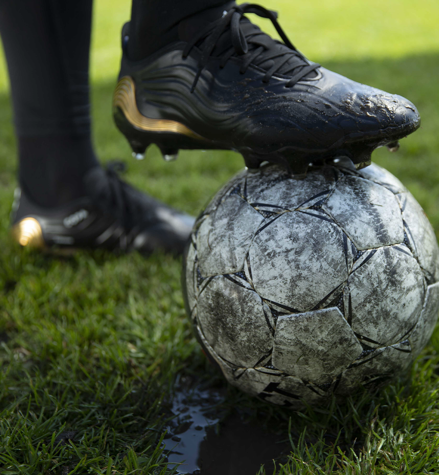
pixel 304 289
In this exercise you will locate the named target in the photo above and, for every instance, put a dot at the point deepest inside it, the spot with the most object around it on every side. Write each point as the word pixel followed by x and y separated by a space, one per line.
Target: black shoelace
pixel 113 194
pixel 252 45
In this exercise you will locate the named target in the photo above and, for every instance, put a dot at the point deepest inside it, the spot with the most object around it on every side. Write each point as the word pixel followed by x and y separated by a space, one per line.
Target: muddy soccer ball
pixel 301 289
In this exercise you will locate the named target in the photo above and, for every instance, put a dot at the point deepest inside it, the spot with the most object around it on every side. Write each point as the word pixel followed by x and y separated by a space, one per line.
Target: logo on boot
pixel 75 218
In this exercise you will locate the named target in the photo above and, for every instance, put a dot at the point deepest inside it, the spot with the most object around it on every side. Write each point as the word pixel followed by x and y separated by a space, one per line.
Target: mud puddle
pixel 205 440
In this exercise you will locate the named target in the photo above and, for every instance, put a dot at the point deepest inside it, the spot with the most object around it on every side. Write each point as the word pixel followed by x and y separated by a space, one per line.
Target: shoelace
pixel 114 195
pixel 252 44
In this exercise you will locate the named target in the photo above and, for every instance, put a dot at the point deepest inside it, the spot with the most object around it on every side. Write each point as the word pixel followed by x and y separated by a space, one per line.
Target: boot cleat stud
pixel 138 156
pixel 170 157
pixel 393 147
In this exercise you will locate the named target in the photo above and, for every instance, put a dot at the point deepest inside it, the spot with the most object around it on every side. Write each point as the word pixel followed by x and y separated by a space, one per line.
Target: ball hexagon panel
pixel 190 280
pixel 377 219
pixel 271 385
pixel 382 177
pixel 386 294
pixel 376 369
pixel 231 372
pixel 297 259
pixel 308 393
pixel 315 346
pixel 421 236
pixel 254 382
pixel 233 321
pixel 280 190
pixel 225 235
pixel 427 321
pixel 277 389
pixel 232 184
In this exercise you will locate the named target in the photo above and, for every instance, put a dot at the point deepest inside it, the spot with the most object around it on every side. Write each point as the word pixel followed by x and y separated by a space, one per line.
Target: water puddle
pixel 205 440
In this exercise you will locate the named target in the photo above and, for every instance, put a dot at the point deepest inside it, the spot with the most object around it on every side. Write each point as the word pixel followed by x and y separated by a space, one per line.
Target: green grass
pixel 90 345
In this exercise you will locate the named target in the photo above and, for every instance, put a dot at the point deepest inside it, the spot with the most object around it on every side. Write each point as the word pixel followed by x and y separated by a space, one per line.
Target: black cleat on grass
pixel 112 216
pixel 231 86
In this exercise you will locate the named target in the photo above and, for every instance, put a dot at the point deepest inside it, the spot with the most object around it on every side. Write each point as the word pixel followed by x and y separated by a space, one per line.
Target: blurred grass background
pixel 89 345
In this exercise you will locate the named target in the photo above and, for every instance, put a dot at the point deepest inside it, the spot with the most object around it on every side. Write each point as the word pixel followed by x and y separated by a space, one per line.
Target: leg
pixel 66 198
pixel 47 50
pixel 213 80
pixel 154 23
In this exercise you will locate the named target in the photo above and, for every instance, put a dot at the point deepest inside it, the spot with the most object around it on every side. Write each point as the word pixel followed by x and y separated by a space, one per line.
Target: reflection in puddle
pixel 201 441
pixel 195 411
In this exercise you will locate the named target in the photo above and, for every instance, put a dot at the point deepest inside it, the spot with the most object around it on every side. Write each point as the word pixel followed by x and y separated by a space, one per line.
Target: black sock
pixel 47 43
pixel 154 23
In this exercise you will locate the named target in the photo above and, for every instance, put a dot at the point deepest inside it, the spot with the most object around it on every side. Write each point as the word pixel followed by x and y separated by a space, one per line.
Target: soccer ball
pixel 300 289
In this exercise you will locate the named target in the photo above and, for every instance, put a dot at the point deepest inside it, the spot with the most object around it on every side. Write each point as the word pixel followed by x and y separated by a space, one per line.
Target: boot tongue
pixel 191 26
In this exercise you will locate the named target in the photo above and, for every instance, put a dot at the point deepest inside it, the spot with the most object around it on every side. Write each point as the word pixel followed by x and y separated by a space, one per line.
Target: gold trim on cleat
pixel 125 99
pixel 28 232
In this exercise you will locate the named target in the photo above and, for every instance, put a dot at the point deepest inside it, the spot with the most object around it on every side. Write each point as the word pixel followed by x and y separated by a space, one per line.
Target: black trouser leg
pixel 47 44
pixel 154 23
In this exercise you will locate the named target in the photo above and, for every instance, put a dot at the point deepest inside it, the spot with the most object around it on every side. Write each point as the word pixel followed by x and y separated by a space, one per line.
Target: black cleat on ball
pixel 232 87
pixel 112 216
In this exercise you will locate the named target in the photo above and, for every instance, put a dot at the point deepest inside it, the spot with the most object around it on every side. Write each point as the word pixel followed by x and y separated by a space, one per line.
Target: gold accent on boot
pixel 28 232
pixel 125 99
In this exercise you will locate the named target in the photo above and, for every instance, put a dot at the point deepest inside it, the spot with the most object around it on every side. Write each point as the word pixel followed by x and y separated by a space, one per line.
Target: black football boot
pixel 230 86
pixel 113 216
